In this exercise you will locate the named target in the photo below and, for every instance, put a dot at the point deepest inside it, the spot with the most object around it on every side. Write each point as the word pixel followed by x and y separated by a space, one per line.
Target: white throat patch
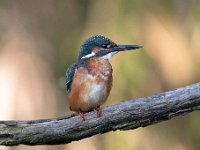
pixel 109 55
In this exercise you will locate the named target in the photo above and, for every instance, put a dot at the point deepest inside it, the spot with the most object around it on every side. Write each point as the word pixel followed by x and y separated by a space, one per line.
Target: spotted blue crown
pixel 92 42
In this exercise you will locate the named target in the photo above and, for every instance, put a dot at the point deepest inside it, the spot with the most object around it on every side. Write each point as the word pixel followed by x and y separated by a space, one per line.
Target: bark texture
pixel 126 115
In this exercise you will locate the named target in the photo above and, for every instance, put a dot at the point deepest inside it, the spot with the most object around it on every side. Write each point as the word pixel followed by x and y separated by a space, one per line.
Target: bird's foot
pixel 99 111
pixel 81 113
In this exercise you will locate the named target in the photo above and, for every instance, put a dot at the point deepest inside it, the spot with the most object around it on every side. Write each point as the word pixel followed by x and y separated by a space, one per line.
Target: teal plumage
pixel 69 76
pixel 92 42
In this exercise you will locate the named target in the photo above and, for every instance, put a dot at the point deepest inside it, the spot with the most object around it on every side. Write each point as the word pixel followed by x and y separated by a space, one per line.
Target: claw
pixel 99 111
pixel 82 115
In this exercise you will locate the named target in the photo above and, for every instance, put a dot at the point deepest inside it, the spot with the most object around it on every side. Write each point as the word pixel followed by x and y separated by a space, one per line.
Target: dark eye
pixel 106 46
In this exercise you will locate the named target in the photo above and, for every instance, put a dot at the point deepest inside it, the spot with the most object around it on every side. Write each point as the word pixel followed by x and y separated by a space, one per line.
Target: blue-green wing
pixel 69 76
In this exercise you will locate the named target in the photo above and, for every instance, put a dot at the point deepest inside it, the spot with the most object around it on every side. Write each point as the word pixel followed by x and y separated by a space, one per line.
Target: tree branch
pixel 126 115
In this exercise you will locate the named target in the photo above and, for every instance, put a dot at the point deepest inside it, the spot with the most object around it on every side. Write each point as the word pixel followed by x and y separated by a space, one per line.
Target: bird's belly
pixel 89 96
pixel 95 95
pixel 87 93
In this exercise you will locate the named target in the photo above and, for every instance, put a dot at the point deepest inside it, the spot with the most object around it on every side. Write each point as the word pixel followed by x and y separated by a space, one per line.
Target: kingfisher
pixel 89 80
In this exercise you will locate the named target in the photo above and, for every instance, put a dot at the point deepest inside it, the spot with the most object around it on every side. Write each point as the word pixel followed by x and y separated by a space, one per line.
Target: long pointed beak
pixel 117 49
pixel 126 47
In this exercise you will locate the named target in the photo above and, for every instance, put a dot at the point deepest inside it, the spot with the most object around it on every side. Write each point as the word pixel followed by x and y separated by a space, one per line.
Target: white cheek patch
pixel 107 56
pixel 88 55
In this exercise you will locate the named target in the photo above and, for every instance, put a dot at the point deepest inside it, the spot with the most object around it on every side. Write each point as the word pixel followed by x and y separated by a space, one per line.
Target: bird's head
pixel 100 46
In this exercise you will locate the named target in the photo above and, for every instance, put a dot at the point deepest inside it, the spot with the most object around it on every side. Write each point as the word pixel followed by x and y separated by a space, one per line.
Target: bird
pixel 89 80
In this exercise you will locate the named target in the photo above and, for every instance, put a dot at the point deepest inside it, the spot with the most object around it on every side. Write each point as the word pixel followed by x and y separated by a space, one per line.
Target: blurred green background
pixel 40 39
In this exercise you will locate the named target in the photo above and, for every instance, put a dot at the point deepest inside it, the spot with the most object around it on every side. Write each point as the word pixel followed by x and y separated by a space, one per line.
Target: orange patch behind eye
pixel 96 49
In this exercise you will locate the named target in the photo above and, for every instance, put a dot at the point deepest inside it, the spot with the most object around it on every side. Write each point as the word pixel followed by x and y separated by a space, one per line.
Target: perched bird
pixel 89 80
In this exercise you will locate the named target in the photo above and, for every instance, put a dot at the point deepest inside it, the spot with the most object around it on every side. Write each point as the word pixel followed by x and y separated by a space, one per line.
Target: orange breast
pixel 91 87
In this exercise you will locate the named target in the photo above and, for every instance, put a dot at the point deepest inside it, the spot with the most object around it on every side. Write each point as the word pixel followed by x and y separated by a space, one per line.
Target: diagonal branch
pixel 126 115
